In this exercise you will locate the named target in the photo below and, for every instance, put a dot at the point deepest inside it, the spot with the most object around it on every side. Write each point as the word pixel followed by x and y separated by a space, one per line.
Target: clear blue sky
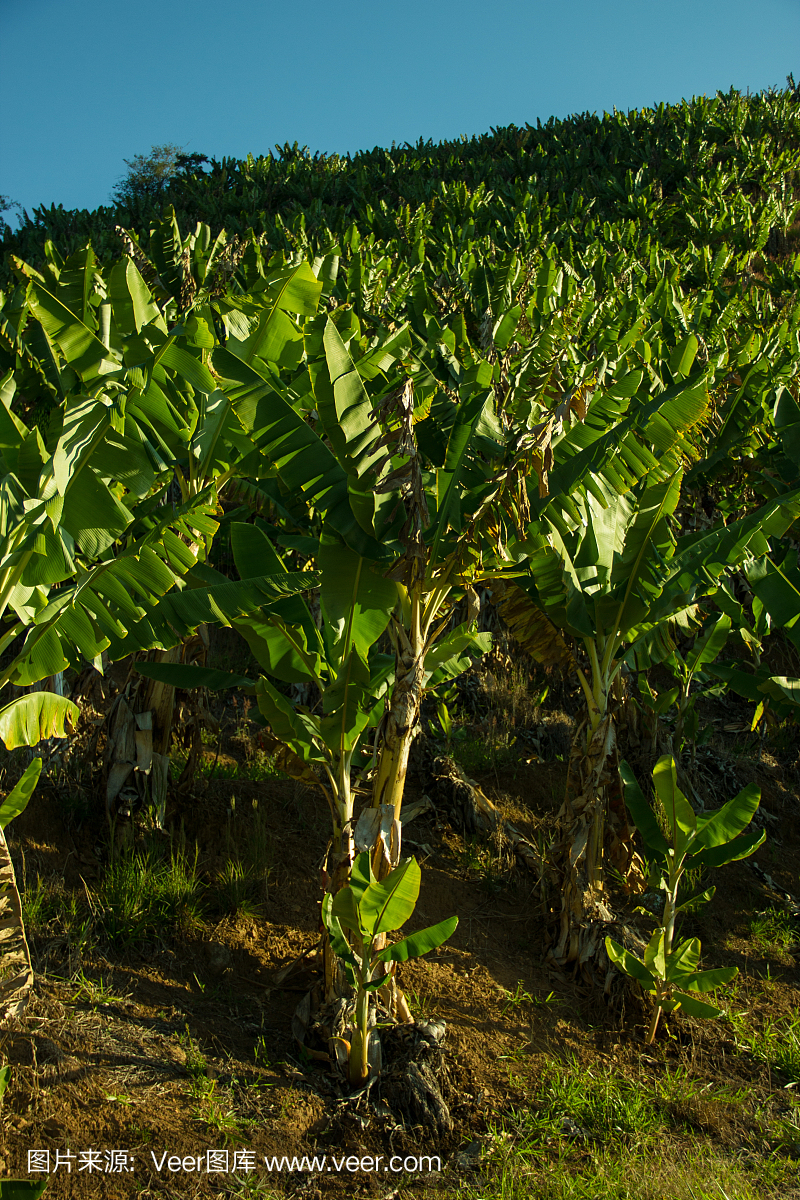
pixel 86 84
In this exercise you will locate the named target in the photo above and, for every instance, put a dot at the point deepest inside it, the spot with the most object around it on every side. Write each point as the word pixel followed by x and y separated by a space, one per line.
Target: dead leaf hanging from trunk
pixel 16 972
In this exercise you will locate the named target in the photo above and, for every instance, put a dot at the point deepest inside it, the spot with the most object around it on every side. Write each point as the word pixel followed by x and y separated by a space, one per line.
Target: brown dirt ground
pixel 114 1070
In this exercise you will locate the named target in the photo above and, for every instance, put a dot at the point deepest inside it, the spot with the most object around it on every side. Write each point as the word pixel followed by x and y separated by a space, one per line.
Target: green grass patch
pixel 774 928
pixel 143 893
pixel 776 1043
pixel 700 1174
pixel 257 768
pixel 589 1134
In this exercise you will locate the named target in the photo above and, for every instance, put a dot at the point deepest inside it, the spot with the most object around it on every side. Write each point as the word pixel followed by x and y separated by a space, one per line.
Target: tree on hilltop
pixel 149 175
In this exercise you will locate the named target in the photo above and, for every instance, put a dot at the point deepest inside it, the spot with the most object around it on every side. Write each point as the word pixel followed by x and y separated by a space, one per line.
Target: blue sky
pixel 86 84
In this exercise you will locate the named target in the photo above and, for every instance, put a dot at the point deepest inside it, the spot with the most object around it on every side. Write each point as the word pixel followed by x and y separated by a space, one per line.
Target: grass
pixel 513 701
pixel 48 909
pixel 155 890
pixel 592 1134
pixel 143 893
pixel 774 929
pixel 603 1107
pixel 490 750
pixel 775 1043
pixel 256 768
pixel 95 991
pixel 236 886
pixel 242 885
pixel 211 1107
pixel 250 1187
pixel 696 1175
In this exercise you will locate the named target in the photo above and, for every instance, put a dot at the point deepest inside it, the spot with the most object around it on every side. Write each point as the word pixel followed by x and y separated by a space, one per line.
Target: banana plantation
pixel 400 667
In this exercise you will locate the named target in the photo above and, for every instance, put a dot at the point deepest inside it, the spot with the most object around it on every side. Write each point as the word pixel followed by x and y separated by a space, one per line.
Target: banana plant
pixel 669 972
pixel 63 574
pixel 597 585
pixel 614 583
pixel 686 669
pixel 322 742
pixel 136 343
pixel 774 578
pixel 362 472
pixel 368 908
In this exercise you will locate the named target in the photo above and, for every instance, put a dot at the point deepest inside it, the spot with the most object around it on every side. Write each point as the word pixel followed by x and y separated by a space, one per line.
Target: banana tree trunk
pixel 338 865
pixel 137 747
pixel 16 972
pixel 593 834
pixel 158 699
pixel 397 732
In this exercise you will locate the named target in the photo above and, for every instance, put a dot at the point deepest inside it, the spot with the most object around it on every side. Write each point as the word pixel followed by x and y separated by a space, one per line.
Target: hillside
pixel 431 512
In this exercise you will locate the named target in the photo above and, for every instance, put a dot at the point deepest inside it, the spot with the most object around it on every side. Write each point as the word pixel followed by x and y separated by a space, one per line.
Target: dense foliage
pixel 558 361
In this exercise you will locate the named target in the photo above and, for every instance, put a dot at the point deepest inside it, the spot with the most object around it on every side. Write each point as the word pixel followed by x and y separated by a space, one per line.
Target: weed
pixel 491 751
pixel 603 1107
pixel 252 1188
pixel 616 1139
pixel 697 1174
pixel 514 1000
pixel 774 928
pixel 485 863
pixel 95 991
pixel 545 1001
pixel 140 896
pixel 257 768
pixel 236 885
pixel 417 1002
pixel 41 904
pixel 47 909
pixel 243 883
pixel 260 1055
pixel 777 1044
pixel 211 1107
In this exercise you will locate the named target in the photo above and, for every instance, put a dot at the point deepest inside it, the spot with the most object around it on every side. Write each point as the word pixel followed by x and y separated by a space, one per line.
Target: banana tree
pixel 139 353
pixel 612 584
pixel 361 470
pixel 685 669
pixel 774 579
pixel 320 743
pixel 596 584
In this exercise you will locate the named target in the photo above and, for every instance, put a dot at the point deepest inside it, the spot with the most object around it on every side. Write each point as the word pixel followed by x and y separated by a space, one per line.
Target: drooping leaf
pixel 630 964
pixel 721 827
pixel 741 847
pixel 707 981
pixel 17 799
pixel 694 1007
pixel 419 943
pixel 81 347
pixel 536 634
pixel 30 719
pixel 184 675
pixel 643 816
